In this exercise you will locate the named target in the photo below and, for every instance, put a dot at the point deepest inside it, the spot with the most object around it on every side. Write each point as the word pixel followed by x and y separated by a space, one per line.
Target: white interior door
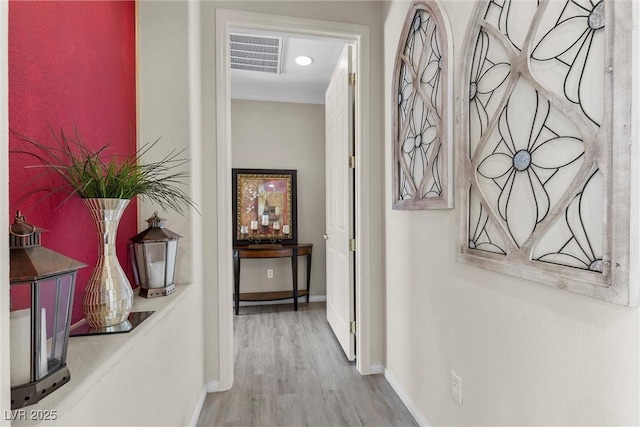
pixel 339 188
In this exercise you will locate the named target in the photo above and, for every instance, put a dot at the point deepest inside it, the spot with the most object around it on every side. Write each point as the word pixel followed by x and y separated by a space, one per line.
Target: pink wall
pixel 72 65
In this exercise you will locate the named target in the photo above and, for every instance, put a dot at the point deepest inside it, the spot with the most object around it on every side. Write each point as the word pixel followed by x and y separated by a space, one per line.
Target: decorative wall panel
pixel 545 150
pixel 422 160
pixel 72 65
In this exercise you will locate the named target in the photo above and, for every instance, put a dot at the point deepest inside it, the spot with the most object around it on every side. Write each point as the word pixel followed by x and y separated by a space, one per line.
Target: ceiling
pixel 295 83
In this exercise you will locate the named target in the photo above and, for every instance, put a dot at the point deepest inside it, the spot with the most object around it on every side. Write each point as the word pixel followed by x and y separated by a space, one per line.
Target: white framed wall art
pixel 422 132
pixel 545 153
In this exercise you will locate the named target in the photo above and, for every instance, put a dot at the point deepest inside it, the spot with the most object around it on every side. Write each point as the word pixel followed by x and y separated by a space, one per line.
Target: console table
pixel 272 251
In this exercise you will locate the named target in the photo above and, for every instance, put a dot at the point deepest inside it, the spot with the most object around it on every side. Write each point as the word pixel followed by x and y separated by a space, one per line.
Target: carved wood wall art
pixel 422 136
pixel 545 150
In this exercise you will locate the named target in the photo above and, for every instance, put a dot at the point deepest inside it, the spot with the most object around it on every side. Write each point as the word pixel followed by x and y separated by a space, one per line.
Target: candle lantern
pixel 153 253
pixel 41 299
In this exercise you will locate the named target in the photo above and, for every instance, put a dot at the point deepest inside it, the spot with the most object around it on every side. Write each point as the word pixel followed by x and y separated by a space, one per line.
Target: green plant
pixel 90 173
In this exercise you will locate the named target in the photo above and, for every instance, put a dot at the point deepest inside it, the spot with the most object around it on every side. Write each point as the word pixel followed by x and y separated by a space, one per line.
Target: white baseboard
pixel 213 386
pixel 210 387
pixel 198 409
pixel 312 298
pixel 413 409
pixel 377 368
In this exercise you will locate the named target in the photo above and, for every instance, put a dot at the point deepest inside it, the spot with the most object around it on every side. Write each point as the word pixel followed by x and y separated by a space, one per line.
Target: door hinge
pixel 352 245
pixel 352 327
pixel 352 79
pixel 352 162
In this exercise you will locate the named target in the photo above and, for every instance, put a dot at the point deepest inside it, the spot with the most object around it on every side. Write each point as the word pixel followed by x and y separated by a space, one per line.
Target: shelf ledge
pixel 92 358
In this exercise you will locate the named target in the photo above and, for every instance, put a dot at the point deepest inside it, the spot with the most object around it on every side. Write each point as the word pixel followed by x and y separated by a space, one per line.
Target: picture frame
pixel 264 207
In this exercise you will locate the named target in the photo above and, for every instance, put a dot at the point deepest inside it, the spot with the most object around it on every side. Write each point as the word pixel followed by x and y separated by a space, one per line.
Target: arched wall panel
pixel 422 136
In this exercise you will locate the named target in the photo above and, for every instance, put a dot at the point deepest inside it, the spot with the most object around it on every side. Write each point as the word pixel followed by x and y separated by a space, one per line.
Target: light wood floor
pixel 291 371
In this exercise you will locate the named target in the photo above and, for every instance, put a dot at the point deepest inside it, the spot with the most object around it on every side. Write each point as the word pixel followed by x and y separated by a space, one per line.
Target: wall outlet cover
pixel 456 388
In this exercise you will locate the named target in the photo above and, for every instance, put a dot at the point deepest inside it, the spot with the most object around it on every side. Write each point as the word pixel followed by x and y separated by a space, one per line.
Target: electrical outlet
pixel 270 273
pixel 456 388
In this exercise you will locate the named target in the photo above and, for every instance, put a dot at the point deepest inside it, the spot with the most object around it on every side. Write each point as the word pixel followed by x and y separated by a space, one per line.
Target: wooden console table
pixel 272 251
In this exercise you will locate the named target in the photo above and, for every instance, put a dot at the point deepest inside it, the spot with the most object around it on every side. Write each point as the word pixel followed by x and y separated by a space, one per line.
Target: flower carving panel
pixel 581 244
pixel 536 158
pixel 575 44
pixel 522 164
pixel 489 72
pixel 422 168
pixel 482 233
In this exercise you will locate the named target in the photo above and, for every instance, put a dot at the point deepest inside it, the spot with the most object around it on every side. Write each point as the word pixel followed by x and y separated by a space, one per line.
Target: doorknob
pixel 325 236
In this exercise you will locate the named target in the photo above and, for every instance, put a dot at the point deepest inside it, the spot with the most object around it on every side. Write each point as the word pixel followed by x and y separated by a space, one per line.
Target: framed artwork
pixel 545 153
pixel 422 130
pixel 264 206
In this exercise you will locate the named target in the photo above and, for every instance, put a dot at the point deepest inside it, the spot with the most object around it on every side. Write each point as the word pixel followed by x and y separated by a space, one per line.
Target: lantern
pixel 153 253
pixel 41 298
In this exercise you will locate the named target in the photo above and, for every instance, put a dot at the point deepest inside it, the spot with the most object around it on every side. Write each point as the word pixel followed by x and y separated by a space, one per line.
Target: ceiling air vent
pixel 256 53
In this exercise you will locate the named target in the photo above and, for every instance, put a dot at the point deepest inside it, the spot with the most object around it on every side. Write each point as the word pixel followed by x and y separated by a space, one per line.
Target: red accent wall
pixel 72 65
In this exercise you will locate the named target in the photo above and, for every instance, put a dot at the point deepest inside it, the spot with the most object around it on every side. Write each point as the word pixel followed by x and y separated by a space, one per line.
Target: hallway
pixel 290 371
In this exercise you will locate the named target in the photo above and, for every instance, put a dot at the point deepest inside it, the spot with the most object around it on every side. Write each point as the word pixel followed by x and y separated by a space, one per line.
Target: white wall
pixel 5 393
pixel 163 106
pixel 169 107
pixel 526 353
pixel 358 12
pixel 280 135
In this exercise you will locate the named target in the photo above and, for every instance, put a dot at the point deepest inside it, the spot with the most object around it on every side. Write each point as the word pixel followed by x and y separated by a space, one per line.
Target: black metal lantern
pixel 153 253
pixel 41 295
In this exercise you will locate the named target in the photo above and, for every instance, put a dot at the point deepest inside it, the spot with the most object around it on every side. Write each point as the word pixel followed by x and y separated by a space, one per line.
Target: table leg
pixel 308 276
pixel 236 277
pixel 294 272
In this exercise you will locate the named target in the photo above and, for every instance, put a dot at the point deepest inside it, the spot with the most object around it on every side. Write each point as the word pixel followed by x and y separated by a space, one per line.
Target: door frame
pixel 225 19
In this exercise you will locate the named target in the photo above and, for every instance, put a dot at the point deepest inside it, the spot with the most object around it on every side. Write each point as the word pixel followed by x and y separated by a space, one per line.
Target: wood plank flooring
pixel 291 371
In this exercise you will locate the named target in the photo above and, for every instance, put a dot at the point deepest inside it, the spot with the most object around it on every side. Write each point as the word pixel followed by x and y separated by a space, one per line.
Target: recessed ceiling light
pixel 304 60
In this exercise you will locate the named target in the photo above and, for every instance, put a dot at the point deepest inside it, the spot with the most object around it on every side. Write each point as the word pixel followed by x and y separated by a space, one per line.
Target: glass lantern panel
pixel 46 343
pixel 140 263
pixel 63 314
pixel 155 256
pixel 47 336
pixel 172 251
pixel 20 333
